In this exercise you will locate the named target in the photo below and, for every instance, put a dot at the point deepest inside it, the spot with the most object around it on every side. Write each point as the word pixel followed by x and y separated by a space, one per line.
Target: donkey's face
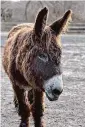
pixel 46 65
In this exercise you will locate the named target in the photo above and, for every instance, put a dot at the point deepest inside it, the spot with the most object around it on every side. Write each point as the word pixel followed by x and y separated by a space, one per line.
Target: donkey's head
pixel 46 64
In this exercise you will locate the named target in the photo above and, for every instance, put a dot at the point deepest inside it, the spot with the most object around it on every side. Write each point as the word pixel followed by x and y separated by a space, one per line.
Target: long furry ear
pixel 40 22
pixel 61 24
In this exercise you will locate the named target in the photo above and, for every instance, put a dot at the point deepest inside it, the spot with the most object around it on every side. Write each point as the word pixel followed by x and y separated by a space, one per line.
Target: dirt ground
pixel 69 110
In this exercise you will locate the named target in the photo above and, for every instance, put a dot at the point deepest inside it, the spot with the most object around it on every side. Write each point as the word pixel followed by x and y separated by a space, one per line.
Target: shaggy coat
pixel 24 43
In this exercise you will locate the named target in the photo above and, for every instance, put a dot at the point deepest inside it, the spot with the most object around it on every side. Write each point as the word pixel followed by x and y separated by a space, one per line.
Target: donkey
pixel 32 61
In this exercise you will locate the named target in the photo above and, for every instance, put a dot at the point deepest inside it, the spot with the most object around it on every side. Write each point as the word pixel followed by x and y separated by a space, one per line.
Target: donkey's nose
pixel 56 91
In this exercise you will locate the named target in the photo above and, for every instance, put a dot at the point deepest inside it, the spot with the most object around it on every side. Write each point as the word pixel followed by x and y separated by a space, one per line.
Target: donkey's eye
pixel 43 57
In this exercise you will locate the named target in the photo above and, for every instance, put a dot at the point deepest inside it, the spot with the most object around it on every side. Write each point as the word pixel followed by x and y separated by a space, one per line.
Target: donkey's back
pixel 20 27
pixel 18 33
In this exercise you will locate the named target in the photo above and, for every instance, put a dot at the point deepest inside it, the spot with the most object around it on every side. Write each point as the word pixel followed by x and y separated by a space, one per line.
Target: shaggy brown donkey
pixel 32 58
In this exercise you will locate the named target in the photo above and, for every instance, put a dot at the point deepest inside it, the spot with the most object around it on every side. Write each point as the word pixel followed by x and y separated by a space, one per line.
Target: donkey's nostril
pixel 56 91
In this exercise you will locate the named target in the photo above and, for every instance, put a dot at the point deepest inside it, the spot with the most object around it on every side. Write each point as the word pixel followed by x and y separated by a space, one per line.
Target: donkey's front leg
pixel 23 106
pixel 37 108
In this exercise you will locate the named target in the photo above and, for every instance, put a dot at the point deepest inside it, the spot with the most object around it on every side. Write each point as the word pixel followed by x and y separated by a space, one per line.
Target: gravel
pixel 69 110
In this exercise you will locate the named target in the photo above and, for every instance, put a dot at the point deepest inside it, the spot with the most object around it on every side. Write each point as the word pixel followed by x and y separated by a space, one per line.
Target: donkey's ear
pixel 40 22
pixel 61 24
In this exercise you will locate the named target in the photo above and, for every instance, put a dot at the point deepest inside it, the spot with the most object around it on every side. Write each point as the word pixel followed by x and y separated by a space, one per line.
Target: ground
pixel 69 110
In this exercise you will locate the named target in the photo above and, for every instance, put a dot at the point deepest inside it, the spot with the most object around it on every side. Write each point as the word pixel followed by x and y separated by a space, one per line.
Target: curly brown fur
pixel 25 42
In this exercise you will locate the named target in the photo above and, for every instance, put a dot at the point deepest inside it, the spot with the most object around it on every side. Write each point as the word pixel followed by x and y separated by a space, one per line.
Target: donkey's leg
pixel 16 102
pixel 23 106
pixel 37 109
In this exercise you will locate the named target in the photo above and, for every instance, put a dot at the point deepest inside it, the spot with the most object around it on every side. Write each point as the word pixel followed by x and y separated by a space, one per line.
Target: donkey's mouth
pixel 52 97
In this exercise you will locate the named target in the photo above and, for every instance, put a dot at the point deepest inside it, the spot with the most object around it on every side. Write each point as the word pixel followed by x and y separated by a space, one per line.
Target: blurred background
pixel 14 12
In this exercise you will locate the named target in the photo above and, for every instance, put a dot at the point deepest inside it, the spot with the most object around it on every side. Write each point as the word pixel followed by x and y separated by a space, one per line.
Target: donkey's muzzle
pixel 54 95
pixel 56 92
pixel 54 87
